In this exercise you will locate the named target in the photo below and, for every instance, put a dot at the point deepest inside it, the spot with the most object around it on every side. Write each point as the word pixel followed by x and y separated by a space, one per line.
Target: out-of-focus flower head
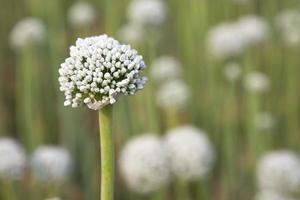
pixel 81 14
pixel 191 153
pixel 173 94
pixel 27 31
pixel 144 164
pixel 12 159
pixel 253 29
pixel 264 121
pixel 257 82
pixel 279 171
pixel 147 12
pixel 288 24
pixel 131 33
pixel 232 71
pixel 51 164
pixel 225 40
pixel 99 70
pixel 272 195
pixel 165 68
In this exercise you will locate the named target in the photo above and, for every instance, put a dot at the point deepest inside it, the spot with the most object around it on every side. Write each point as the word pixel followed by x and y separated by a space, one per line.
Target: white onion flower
pixel 191 154
pixel 264 121
pixel 232 71
pixel 52 164
pixel 26 32
pixel 253 29
pixel 279 171
pixel 99 70
pixel 173 94
pixel 144 164
pixel 257 82
pixel 12 159
pixel 131 33
pixel 165 68
pixel 147 12
pixel 288 24
pixel 81 14
pixel 225 40
pixel 272 195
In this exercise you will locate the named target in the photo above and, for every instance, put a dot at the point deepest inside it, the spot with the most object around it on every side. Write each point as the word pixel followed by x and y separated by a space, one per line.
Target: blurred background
pixel 228 67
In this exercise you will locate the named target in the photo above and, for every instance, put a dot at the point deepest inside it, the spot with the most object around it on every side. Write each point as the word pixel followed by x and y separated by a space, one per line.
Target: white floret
pixel 191 153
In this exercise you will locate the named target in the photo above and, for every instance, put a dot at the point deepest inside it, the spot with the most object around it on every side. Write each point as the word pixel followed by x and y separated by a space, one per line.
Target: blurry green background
pixel 224 109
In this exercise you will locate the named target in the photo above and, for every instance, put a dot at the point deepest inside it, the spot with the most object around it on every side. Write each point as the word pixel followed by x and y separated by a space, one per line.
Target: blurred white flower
pixel 253 29
pixel 28 31
pixel 232 71
pixel 257 82
pixel 272 195
pixel 288 24
pixel 12 159
pixel 131 33
pixel 54 198
pixel 279 171
pixel 99 70
pixel 51 164
pixel 165 68
pixel 144 165
pixel 147 12
pixel 225 40
pixel 173 94
pixel 191 153
pixel 81 14
pixel 264 121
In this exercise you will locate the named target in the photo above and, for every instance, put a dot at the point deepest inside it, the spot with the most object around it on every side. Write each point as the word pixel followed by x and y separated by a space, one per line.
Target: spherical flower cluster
pixel 145 12
pixel 144 164
pixel 191 153
pixel 51 164
pixel 165 68
pixel 257 82
pixel 12 159
pixel 253 29
pixel 130 33
pixel 225 41
pixel 288 24
pixel 279 171
pixel 81 14
pixel 99 70
pixel 264 121
pixel 173 94
pixel 26 32
pixel 232 71
pixel 272 195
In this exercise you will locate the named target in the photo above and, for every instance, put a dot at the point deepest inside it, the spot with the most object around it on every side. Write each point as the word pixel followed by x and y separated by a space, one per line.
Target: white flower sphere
pixel 264 121
pixel 191 153
pixel 81 14
pixel 288 24
pixel 51 164
pixel 12 159
pixel 131 33
pixel 272 195
pixel 147 12
pixel 28 31
pixel 257 82
pixel 99 70
pixel 253 29
pixel 144 164
pixel 279 171
pixel 225 40
pixel 232 71
pixel 165 68
pixel 173 94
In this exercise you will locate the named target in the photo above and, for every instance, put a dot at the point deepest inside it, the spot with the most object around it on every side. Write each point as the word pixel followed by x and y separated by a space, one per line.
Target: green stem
pixel 107 155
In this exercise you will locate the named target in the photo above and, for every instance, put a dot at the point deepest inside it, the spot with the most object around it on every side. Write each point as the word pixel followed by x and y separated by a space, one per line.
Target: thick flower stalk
pixel 98 71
